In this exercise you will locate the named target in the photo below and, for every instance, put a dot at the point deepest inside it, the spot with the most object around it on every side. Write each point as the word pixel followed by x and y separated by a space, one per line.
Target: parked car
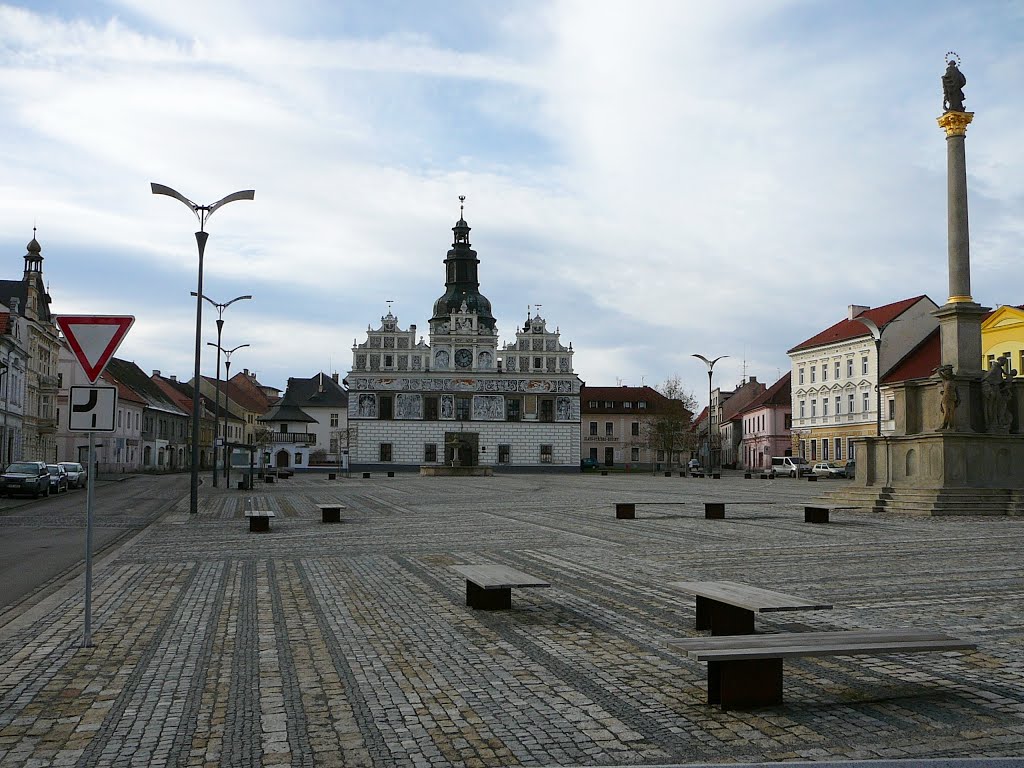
pixel 77 474
pixel 693 465
pixel 26 477
pixel 589 463
pixel 58 478
pixel 828 469
pixel 793 466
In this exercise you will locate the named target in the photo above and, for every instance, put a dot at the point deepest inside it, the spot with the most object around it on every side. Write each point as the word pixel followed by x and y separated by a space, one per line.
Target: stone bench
pixel 284 474
pixel 269 478
pixel 746 670
pixel 259 520
pixel 714 510
pixel 625 511
pixel 728 607
pixel 330 513
pixel 489 587
pixel 816 514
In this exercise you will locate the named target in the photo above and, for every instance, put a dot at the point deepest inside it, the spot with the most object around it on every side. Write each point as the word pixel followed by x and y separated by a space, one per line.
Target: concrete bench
pixel 625 511
pixel 259 520
pixel 816 514
pixel 284 474
pixel 330 513
pixel 332 475
pixel 812 478
pixel 728 607
pixel 268 478
pixel 714 510
pixel 366 475
pixel 489 587
pixel 746 671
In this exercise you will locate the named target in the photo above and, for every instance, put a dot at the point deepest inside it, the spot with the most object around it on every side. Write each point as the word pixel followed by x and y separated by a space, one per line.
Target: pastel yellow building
pixel 1002 333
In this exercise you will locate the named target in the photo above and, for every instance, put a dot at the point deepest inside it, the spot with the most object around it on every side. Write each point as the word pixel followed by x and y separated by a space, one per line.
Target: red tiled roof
pixel 124 392
pixel 918 363
pixel 778 393
pixel 851 329
pixel 620 395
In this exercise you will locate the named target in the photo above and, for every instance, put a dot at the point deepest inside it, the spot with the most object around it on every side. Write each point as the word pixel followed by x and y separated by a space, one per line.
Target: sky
pixel 662 178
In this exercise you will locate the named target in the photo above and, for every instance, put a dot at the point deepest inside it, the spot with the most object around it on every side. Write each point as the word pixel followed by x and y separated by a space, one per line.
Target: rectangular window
pixel 592 403
pixel 545 454
pixel 512 409
pixel 385 451
pixel 609 429
pixel 824 406
pixel 593 428
pixel 788 421
pixel 547 410
pixel 849 367
pixel 839 405
pixel 824 449
pixel 814 408
pixel 430 408
pixel 627 405
pixel 386 402
pixel 661 455
pixel 824 371
pixel 634 454
pixel 849 448
pixel 298 458
pixel 837 370
pixel 892 410
pixel 802 414
pixel 430 453
pixel 334 419
pixel 634 429
pixel 814 374
pixel 801 375
pixel 593 454
pixel 333 445
pixel 851 404
pixel 504 454
pixel 865 401
pixel 803 448
pixel 643 403
pixel 989 360
pixel 463 406
pixel 119 414
pixel 839 449
pixel 814 450
pixel 864 366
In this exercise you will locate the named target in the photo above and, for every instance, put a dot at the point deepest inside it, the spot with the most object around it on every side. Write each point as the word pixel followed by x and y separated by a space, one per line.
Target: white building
pixel 462 397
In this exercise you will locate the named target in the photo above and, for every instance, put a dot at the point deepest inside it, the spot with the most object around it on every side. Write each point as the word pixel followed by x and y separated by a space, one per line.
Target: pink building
pixel 767 424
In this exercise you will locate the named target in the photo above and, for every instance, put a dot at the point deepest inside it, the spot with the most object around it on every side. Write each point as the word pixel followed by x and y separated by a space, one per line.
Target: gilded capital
pixel 955 123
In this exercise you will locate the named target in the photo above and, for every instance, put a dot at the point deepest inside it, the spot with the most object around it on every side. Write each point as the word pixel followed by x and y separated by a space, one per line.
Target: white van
pixel 793 466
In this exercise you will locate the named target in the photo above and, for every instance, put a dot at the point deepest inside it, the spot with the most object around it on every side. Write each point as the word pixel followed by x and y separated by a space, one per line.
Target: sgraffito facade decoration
pixel 516 404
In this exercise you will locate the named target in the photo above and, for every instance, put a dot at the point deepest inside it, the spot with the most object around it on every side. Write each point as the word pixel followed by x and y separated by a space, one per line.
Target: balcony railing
pixel 292 437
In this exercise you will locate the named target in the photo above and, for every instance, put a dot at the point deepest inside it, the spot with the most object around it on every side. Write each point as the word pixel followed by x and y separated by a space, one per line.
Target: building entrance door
pixel 609 457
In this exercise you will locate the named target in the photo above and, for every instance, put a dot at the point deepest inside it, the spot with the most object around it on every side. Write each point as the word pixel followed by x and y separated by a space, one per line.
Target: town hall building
pixel 462 399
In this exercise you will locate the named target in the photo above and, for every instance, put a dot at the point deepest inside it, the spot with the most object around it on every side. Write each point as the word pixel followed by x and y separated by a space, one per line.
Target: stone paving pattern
pixel 351 645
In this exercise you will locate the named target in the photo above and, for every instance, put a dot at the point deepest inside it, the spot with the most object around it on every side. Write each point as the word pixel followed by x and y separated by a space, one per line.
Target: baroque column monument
pixel 957 446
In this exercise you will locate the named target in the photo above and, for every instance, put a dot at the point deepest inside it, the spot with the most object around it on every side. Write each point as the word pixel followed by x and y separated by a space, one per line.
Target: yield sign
pixel 94 339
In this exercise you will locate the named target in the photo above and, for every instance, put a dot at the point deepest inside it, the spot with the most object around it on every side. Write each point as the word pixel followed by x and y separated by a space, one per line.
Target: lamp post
pixel 220 326
pixel 203 213
pixel 4 369
pixel 711 366
pixel 876 334
pixel 227 372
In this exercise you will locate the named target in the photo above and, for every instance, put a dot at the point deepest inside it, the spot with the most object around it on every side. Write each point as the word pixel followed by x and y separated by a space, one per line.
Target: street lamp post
pixel 227 375
pixel 203 213
pixel 876 334
pixel 4 370
pixel 711 366
pixel 220 326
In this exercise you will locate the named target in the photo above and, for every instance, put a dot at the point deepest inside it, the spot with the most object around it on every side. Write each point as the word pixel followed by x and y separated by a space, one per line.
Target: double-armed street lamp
pixel 220 327
pixel 203 213
pixel 876 334
pixel 227 376
pixel 711 365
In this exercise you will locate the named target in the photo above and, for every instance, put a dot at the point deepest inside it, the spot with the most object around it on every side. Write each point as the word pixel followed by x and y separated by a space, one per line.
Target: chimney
pixel 752 380
pixel 245 371
pixel 156 372
pixel 15 303
pixel 174 377
pixel 855 309
pixel 334 377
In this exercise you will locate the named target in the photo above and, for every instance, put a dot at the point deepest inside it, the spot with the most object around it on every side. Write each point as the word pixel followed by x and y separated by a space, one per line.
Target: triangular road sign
pixel 94 339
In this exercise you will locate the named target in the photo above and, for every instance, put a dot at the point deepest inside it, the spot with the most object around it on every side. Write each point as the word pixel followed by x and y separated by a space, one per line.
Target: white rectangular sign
pixel 92 409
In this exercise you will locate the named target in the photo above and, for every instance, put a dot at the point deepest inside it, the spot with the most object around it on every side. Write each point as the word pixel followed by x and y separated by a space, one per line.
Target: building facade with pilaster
pixel 461 396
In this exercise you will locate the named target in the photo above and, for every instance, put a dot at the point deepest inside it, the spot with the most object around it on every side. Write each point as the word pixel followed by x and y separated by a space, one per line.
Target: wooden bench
pixel 728 607
pixel 259 520
pixel 489 587
pixel 746 671
pixel 330 513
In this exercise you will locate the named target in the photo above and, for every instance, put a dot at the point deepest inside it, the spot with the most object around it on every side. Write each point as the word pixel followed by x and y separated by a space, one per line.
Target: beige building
pixel 615 426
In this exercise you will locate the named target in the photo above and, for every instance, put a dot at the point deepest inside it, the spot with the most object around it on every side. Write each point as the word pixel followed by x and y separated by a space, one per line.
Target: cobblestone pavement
pixel 351 644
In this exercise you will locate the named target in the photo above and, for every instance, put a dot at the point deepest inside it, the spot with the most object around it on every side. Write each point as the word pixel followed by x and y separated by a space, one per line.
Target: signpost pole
pixel 90 482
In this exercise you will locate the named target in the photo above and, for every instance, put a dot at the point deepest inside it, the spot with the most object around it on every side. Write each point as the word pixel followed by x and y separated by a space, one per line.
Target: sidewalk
pixel 351 645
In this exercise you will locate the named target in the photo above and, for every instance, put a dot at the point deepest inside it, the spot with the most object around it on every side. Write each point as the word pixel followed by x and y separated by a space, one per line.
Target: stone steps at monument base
pixel 966 501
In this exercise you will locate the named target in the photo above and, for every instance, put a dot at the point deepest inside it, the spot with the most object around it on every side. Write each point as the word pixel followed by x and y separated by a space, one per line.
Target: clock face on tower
pixel 463 358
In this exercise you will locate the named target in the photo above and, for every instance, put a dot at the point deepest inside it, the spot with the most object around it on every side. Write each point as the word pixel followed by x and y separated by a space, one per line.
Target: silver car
pixel 77 474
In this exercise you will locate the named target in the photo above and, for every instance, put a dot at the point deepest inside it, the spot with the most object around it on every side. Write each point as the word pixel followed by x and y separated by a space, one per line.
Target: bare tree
pixel 666 427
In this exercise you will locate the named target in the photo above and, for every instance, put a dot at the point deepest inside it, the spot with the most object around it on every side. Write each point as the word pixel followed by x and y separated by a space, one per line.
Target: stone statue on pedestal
pixel 953 81
pixel 997 394
pixel 949 396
